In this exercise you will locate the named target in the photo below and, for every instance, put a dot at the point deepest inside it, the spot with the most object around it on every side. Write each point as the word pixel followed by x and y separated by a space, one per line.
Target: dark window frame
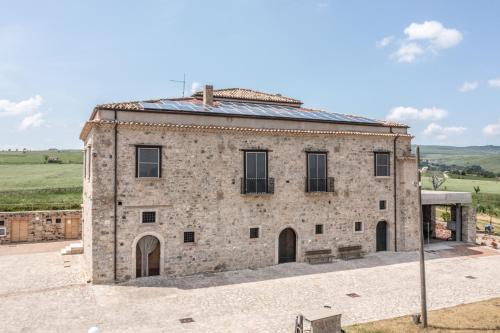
pixel 326 170
pixel 360 223
pixel 377 153
pixel 137 148
pixel 382 204
pixel 58 220
pixel 319 229
pixel 245 152
pixel 254 235
pixel 144 216
pixel 189 237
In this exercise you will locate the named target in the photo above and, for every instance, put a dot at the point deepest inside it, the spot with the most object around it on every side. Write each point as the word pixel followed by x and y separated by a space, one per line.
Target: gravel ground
pixel 39 294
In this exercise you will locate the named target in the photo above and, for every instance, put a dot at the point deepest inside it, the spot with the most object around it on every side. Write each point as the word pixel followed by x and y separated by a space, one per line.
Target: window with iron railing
pixel 256 180
pixel 317 179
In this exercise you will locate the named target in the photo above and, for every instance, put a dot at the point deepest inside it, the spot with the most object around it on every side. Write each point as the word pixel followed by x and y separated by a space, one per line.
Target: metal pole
pixel 423 293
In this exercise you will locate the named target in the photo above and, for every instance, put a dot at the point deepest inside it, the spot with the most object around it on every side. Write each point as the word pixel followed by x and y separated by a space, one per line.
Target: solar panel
pixel 254 110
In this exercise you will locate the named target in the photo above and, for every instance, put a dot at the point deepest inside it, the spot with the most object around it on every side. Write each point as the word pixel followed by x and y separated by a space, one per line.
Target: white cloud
pixel 30 105
pixel 408 52
pixel 421 38
pixel 495 83
pixel 34 120
pixel 468 86
pixel 195 86
pixel 434 32
pixel 442 133
pixel 492 129
pixel 401 113
pixel 384 41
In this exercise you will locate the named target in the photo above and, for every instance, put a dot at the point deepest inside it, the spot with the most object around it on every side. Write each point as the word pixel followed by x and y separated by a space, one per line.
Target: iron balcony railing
pixel 320 184
pixel 257 185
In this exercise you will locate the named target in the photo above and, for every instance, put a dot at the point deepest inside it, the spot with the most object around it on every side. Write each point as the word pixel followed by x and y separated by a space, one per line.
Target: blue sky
pixel 432 64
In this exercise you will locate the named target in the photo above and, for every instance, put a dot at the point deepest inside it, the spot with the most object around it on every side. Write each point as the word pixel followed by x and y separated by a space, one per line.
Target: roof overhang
pixel 446 198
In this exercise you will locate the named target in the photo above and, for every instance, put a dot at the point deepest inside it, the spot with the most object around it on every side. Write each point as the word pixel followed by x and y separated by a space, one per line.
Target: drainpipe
pixel 395 194
pixel 115 196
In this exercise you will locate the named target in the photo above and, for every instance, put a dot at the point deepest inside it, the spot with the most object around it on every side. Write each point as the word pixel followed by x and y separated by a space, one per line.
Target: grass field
pixel 475 317
pixel 27 183
pixel 488 157
pixel 465 185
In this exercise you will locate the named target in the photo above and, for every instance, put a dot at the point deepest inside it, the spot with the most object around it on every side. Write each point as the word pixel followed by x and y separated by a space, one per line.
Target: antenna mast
pixel 183 84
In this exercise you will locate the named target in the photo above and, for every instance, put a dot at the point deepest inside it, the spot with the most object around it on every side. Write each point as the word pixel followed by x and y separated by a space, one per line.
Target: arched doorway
pixel 147 258
pixel 382 236
pixel 287 247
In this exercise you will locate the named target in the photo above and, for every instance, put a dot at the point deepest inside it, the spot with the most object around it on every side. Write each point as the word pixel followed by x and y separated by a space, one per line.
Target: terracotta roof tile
pixel 250 95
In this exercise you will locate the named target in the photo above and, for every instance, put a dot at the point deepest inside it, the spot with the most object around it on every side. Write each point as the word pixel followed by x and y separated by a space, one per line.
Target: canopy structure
pixel 446 198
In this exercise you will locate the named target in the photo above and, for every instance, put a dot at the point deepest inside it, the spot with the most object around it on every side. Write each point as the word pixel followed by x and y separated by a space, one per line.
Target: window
pixel 382 204
pixel 358 226
pixel 58 220
pixel 255 172
pixel 148 162
pixel 316 172
pixel 254 232
pixel 148 217
pixel 189 237
pixel 319 229
pixel 2 223
pixel 382 164
pixel 3 232
pixel 48 221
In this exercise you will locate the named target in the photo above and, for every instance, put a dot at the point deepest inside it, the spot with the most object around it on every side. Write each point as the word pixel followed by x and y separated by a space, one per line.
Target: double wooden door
pixel 19 231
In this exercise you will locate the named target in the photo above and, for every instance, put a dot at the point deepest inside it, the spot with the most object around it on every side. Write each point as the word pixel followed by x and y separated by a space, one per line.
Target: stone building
pixel 39 226
pixel 233 178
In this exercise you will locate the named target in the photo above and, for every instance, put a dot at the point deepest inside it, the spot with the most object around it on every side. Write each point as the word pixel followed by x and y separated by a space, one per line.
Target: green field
pixel 488 157
pixel 28 183
pixel 465 185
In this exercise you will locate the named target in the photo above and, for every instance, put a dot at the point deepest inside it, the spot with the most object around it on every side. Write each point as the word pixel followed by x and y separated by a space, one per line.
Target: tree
pixel 477 189
pixel 437 181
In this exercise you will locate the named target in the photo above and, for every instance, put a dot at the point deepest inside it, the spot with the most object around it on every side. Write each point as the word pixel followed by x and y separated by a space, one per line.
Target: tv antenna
pixel 183 84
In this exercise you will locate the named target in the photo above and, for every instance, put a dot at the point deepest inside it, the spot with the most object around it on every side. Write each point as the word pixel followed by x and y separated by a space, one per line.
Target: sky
pixel 434 65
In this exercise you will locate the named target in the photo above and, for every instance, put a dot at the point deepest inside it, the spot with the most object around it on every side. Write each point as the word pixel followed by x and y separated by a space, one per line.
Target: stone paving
pixel 45 292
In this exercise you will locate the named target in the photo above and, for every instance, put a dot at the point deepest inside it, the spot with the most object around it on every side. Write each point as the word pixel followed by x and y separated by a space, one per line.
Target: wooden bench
pixel 350 252
pixel 319 256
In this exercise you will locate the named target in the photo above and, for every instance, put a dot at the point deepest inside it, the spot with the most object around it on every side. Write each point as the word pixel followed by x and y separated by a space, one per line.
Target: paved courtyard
pixel 42 291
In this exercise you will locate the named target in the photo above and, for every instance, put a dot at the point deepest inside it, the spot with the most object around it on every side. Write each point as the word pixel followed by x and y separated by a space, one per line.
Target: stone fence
pixel 40 226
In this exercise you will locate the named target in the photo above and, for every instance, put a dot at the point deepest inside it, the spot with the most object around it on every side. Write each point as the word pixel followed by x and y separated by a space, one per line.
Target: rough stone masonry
pixel 199 188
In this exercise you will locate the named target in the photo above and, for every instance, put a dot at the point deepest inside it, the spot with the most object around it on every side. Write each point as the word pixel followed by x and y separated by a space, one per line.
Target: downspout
pixel 395 194
pixel 115 196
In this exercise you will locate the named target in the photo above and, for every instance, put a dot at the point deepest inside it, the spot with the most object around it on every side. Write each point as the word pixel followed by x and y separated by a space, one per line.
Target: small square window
pixel 2 232
pixel 148 217
pixel 58 220
pixel 2 223
pixel 319 229
pixel 189 237
pixel 358 226
pixel 48 221
pixel 254 232
pixel 382 204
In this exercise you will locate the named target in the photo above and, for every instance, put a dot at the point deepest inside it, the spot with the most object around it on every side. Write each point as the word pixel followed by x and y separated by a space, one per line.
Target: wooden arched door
pixel 382 236
pixel 287 247
pixel 147 256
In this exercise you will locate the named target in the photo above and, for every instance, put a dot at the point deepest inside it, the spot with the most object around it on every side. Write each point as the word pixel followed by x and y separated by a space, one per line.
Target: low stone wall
pixel 39 226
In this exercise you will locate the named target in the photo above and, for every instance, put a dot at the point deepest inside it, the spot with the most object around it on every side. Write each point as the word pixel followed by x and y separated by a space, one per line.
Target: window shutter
pixel 331 184
pixel 242 186
pixel 270 185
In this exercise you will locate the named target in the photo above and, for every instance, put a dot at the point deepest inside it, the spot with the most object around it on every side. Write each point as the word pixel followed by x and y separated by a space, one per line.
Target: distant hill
pixel 488 157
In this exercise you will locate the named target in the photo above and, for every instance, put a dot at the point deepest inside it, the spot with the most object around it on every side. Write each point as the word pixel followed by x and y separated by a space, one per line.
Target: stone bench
pixel 319 256
pixel 350 252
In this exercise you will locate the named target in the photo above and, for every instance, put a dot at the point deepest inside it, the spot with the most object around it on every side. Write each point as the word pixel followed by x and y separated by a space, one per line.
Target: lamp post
pixel 423 293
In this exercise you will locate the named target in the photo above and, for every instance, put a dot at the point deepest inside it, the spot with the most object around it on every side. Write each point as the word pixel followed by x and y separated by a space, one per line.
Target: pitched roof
pixel 250 95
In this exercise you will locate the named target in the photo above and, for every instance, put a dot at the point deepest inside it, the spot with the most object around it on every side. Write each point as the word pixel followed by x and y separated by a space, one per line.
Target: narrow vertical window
pixel 382 164
pixel 316 172
pixel 382 204
pixel 148 162
pixel 255 172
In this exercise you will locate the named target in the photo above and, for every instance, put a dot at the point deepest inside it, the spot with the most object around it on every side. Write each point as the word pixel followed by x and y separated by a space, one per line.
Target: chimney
pixel 208 95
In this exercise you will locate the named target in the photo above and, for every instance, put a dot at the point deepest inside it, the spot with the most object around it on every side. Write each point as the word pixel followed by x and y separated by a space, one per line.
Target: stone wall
pixel 468 224
pixel 42 225
pixel 200 191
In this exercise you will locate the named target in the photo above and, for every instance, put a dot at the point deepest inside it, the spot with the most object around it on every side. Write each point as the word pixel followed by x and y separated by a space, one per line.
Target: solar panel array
pixel 254 110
